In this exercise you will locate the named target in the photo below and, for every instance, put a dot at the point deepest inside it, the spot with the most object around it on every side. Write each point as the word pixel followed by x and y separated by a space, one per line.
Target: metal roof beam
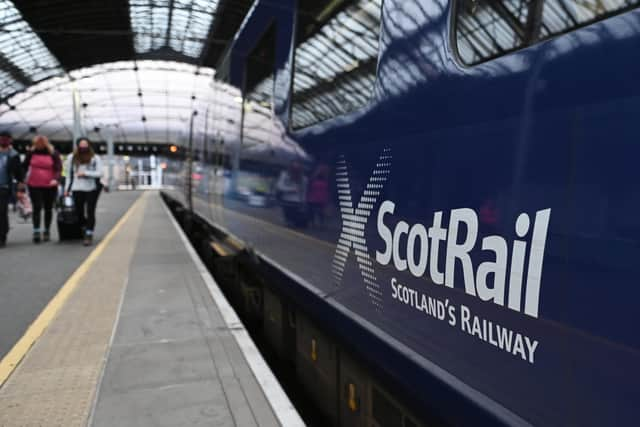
pixel 534 21
pixel 167 35
pixel 509 18
pixel 15 72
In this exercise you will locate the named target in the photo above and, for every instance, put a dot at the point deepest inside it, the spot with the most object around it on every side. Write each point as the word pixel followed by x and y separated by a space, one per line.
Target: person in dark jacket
pixel 10 169
pixel 43 166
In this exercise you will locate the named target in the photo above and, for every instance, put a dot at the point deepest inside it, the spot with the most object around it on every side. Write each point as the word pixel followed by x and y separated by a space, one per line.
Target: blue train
pixel 438 199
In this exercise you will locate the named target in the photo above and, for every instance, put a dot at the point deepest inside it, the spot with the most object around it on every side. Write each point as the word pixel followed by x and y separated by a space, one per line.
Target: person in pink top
pixel 43 166
pixel 318 194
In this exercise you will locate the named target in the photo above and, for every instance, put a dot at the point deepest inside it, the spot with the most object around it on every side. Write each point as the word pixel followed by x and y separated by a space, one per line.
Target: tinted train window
pixel 257 120
pixel 486 29
pixel 258 86
pixel 335 58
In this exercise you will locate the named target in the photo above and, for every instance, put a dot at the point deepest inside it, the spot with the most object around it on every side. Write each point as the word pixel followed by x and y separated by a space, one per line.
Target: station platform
pixel 139 334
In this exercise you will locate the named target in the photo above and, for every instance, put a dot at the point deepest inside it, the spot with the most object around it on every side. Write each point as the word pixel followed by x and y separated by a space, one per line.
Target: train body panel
pixel 481 218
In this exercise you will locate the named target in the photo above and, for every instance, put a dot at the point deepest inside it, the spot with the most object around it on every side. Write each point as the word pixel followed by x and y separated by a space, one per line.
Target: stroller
pixel 23 203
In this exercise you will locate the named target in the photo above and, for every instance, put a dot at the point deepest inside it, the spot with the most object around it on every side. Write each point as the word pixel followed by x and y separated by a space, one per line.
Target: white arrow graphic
pixel 352 235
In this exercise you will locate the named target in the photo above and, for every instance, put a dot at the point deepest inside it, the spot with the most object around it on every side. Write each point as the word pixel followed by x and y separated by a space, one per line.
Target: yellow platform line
pixel 35 330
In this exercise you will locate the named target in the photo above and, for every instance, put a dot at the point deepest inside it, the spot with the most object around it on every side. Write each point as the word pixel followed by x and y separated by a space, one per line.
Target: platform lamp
pixel 109 131
pixel 194 113
pixel 77 116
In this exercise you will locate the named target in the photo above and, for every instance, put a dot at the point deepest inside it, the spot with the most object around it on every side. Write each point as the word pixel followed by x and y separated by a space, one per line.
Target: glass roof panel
pixel 8 84
pixel 24 59
pixel 182 25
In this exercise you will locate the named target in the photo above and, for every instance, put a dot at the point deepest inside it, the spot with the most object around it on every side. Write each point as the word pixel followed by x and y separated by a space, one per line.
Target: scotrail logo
pixel 421 249
pixel 354 221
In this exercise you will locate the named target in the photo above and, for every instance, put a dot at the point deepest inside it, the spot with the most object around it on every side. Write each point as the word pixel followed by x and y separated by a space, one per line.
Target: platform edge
pixel 282 407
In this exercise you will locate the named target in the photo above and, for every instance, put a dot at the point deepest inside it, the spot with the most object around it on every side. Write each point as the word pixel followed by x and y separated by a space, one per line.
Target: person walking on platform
pixel 84 169
pixel 10 169
pixel 43 167
pixel 291 192
pixel 318 195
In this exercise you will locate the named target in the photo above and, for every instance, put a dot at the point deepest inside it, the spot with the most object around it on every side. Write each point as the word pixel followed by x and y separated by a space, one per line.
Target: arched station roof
pixel 46 38
pixel 146 101
pixel 137 62
pixel 144 64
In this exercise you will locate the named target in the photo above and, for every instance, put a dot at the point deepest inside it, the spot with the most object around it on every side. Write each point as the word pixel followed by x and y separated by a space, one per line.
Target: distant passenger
pixel 291 192
pixel 10 169
pixel 84 169
pixel 318 195
pixel 43 167
pixel 63 173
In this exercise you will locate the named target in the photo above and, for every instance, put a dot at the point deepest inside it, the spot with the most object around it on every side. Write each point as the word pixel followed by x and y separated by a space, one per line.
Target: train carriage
pixel 443 195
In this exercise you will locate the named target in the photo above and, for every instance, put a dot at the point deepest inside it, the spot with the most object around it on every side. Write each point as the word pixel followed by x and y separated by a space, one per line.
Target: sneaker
pixel 46 236
pixel 88 238
pixel 36 237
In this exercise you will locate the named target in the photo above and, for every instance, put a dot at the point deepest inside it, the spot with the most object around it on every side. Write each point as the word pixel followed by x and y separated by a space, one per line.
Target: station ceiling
pixel 104 48
pixel 145 64
pixel 137 102
pixel 80 33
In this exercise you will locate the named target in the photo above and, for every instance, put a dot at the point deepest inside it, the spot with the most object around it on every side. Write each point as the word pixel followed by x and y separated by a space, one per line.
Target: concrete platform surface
pixel 145 338
pixel 30 275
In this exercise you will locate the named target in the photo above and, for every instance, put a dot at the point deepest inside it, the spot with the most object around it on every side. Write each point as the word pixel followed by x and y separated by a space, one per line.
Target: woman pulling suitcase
pixel 84 169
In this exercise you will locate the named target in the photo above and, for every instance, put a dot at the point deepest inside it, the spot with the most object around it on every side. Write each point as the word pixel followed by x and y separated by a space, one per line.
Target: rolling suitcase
pixel 68 225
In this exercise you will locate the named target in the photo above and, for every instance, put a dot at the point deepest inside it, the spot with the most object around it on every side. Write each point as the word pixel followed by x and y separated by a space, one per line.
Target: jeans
pixel 42 198
pixel 4 213
pixel 85 201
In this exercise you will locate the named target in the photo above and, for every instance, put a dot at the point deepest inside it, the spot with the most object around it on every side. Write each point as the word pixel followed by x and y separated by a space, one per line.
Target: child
pixel 23 203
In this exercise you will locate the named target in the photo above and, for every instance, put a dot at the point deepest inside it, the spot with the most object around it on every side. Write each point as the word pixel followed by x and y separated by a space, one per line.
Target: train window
pixel 335 58
pixel 259 70
pixel 485 29
pixel 257 120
